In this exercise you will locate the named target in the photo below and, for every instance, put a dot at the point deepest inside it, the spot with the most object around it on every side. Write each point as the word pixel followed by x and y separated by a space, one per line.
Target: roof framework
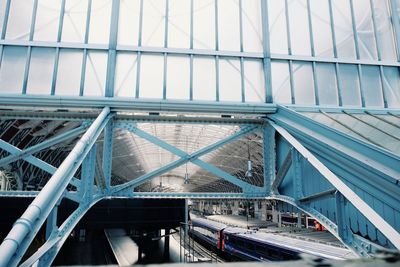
pixel 202 102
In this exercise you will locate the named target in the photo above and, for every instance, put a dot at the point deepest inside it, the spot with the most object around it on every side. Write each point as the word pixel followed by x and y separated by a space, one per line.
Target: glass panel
pixel 326 80
pixel 74 24
pixel 384 30
pixel 349 85
pixel 125 75
pixel 100 19
pixel 391 84
pixel 303 83
pixel 41 71
pixel 204 24
pixel 179 23
pixel 372 86
pixel 343 29
pixel 299 31
pixel 153 23
pixel 252 26
pixel 204 78
pixel 128 24
pixel 321 25
pixel 254 81
pixel 277 26
pixel 281 82
pixel 69 72
pixel 96 69
pixel 19 19
pixel 12 69
pixel 230 88
pixel 178 77
pixel 47 20
pixel 365 30
pixel 228 25
pixel 151 76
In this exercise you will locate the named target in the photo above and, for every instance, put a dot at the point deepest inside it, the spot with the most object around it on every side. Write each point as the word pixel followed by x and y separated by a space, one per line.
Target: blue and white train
pixel 260 246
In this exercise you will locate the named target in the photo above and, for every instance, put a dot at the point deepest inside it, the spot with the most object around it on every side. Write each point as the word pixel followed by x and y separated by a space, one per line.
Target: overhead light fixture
pixel 186 181
pixel 249 172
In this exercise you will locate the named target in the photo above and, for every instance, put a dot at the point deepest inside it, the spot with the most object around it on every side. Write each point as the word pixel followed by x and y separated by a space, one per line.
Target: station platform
pixel 241 221
pixel 323 237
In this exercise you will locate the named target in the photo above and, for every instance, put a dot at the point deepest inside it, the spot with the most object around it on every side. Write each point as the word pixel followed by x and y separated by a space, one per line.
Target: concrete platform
pixel 241 221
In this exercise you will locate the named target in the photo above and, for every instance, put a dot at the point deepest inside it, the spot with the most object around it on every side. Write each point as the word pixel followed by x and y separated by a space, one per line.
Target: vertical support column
pixel 51 224
pixel 263 211
pixel 267 52
pixel 299 215
pixel 269 154
pixel 186 217
pixel 87 177
pixel 235 208
pixel 256 210
pixel 342 227
pixel 3 186
pixel 107 153
pixel 297 179
pixel 112 54
pixel 274 214
pixel 166 245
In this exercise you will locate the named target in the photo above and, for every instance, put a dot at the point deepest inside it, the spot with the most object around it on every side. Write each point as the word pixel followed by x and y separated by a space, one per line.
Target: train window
pixel 274 254
pixel 260 249
pixel 249 246
pixel 240 243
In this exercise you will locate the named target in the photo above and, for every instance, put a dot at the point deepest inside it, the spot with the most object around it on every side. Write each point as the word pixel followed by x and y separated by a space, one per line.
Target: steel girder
pixel 347 177
pixel 132 104
pixel 24 230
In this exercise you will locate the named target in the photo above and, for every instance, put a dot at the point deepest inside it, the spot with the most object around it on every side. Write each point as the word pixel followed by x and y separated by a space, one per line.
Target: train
pixel 249 245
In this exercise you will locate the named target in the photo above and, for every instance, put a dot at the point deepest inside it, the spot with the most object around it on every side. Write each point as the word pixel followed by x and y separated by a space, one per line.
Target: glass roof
pixel 134 156
pixel 382 130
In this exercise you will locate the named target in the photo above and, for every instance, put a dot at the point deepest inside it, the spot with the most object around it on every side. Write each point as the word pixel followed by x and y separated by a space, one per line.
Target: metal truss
pixel 284 178
pixel 25 229
pixel 339 166
pixel 184 158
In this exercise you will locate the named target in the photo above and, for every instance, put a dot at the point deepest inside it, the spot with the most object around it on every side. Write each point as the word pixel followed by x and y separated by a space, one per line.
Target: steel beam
pixel 283 170
pixel 24 230
pixel 41 146
pixel 34 160
pixel 384 227
pixel 133 104
pixel 190 195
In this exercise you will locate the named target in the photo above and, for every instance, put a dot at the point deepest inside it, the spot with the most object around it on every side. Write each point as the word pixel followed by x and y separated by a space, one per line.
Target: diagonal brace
pixel 48 143
pixel 283 170
pixel 184 157
pixel 34 161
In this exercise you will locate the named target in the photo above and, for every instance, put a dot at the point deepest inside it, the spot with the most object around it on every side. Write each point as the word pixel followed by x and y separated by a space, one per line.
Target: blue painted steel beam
pixel 384 227
pixel 24 230
pixel 372 158
pixel 133 104
pixel 127 186
pixel 212 169
pixel 41 146
pixel 34 160
pixel 191 195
